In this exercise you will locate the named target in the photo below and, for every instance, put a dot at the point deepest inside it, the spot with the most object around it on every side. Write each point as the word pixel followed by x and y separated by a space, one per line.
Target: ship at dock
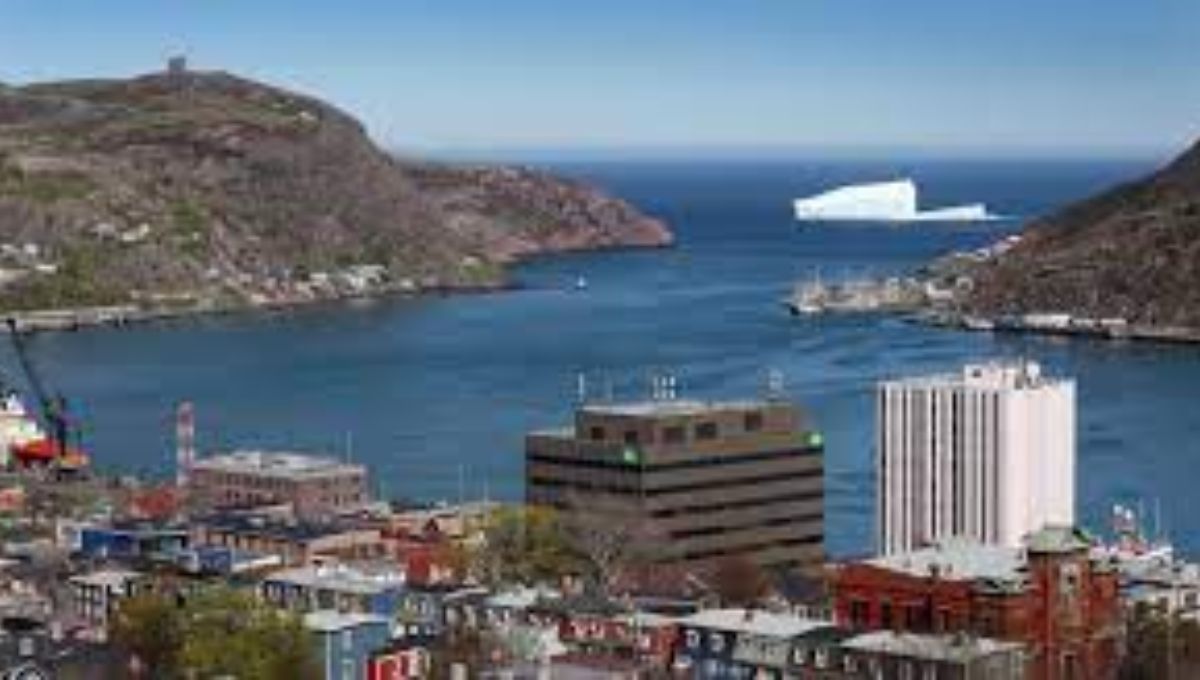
pixel 890 294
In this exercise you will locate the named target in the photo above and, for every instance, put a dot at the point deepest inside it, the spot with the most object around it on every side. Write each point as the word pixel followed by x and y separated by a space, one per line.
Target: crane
pixel 53 408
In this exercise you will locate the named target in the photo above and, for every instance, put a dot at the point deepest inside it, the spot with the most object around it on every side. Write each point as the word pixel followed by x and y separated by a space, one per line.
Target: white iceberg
pixel 894 201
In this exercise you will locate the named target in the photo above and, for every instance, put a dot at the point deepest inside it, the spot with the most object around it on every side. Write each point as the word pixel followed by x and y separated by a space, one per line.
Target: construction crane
pixel 56 447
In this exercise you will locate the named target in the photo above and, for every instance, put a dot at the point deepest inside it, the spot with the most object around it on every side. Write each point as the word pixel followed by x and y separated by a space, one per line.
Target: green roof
pixel 1058 539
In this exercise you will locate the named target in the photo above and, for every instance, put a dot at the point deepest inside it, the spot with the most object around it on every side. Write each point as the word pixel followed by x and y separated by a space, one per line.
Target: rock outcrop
pixel 204 190
pixel 1131 253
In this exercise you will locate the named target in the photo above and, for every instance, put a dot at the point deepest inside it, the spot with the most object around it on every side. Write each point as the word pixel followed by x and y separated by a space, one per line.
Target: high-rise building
pixel 987 454
pixel 709 480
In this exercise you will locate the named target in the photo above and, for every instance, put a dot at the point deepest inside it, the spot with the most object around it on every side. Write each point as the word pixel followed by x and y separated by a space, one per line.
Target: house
pixel 364 589
pixel 1050 595
pixel 895 656
pixel 401 660
pixel 345 642
pixel 726 643
pixel 296 543
pixel 95 596
pixel 131 541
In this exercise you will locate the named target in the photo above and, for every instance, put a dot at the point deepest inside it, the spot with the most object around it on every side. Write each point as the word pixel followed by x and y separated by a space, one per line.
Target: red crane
pixel 55 449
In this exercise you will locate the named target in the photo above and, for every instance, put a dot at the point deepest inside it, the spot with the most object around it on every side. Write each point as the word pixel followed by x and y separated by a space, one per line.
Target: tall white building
pixel 988 454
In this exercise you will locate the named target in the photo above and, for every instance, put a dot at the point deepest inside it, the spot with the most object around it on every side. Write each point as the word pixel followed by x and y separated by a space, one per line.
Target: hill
pixel 205 190
pixel 1132 252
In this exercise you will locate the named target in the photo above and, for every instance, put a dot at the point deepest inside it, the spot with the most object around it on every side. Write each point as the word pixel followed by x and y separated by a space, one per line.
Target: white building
pixel 988 454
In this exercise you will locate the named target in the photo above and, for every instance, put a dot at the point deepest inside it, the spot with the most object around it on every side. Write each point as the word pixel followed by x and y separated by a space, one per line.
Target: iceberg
pixel 894 201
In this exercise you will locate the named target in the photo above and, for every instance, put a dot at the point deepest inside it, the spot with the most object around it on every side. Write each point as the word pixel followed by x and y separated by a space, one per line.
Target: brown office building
pixel 316 487
pixel 711 480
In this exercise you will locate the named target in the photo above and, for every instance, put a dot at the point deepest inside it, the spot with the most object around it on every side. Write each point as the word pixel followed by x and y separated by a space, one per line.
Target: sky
pixel 456 76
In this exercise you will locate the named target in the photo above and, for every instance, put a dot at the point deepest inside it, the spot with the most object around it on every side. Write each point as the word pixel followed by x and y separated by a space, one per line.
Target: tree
pixel 1160 645
pixel 739 582
pixel 221 632
pixel 524 544
pixel 230 633
pixel 609 535
pixel 150 628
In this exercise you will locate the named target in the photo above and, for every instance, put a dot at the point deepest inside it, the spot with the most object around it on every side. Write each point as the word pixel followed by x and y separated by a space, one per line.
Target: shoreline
pixel 69 319
pixel 1066 326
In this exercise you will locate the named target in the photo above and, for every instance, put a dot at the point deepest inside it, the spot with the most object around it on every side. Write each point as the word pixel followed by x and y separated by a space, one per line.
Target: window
pixel 716 642
pixel 597 434
pixel 674 435
pixel 706 431
pixel 859 614
pixel 693 639
pixel 631 437
pixel 885 615
pixel 754 422
pixel 821 657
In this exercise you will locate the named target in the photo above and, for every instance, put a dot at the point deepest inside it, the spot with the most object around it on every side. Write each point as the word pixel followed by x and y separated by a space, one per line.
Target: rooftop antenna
pixel 349 445
pixel 774 384
pixel 581 388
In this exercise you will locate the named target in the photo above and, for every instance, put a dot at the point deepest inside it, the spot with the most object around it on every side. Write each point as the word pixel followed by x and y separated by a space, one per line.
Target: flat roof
pixel 331 620
pixel 106 577
pixel 672 407
pixel 995 375
pixel 754 622
pixel 276 464
pixel 359 579
pixel 300 531
pixel 960 648
pixel 958 560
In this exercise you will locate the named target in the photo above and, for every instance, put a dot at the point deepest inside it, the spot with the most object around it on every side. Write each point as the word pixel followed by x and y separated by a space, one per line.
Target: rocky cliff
pixel 207 190
pixel 1132 252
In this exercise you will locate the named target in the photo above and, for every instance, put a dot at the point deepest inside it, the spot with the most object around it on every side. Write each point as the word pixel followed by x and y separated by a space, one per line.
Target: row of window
pixel 808 541
pixel 714 485
pixel 708 508
pixel 695 463
pixel 758 524
pixel 677 434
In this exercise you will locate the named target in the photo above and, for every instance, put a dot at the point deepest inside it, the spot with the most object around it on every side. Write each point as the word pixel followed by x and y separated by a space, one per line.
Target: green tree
pixel 150 628
pixel 221 632
pixel 525 544
pixel 232 633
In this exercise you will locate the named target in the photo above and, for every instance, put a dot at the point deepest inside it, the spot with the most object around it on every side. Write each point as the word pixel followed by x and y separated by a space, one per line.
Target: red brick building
pixel 1051 596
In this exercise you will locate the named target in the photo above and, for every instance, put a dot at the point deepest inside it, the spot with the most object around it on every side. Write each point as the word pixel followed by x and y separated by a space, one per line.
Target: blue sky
pixel 941 76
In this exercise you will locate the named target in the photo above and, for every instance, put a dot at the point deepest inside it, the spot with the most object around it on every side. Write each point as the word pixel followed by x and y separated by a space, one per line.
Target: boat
pixel 18 429
pixel 808 299
pixel 581 283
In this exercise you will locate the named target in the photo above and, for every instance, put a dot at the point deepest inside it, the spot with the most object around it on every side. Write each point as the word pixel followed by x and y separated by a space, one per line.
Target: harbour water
pixel 435 394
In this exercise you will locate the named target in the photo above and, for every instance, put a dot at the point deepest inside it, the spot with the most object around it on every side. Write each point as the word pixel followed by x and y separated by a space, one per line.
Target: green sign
pixel 631 456
pixel 816 439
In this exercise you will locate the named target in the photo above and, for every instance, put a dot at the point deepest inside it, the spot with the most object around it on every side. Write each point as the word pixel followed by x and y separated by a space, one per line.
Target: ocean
pixel 435 394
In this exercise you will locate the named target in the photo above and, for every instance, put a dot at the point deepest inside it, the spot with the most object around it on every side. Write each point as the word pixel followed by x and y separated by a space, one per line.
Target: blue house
pixel 131 542
pixel 345 643
pixel 357 589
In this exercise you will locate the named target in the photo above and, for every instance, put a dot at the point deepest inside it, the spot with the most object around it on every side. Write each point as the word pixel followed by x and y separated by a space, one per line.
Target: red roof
pixel 46 450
